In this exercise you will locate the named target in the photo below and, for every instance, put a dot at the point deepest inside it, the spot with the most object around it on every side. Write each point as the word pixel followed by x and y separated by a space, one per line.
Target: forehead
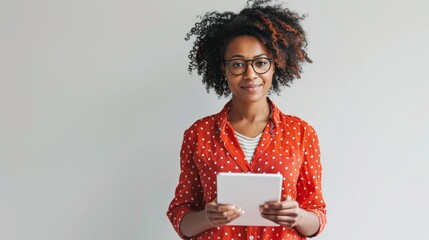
pixel 245 46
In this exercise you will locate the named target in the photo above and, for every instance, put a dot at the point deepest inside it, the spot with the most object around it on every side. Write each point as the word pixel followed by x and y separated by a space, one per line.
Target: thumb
pixel 286 197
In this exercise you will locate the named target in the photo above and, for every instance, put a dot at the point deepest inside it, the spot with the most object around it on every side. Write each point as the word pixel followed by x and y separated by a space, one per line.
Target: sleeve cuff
pixel 176 218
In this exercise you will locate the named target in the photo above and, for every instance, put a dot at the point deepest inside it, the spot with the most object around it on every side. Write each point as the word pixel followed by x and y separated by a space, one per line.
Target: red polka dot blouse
pixel 288 146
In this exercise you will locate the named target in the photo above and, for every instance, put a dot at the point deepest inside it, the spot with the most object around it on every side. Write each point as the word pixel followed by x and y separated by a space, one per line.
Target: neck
pixel 255 111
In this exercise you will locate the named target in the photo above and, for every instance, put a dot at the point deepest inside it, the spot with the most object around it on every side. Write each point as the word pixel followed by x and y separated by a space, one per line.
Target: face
pixel 250 86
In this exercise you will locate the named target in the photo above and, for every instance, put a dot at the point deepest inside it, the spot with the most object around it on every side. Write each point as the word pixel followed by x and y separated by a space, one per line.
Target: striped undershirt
pixel 248 144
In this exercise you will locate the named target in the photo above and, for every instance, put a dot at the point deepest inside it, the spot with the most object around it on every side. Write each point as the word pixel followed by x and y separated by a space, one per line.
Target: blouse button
pixel 251 238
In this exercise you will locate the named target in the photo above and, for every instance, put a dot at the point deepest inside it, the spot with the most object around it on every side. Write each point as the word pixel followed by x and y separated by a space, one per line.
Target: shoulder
pixel 297 124
pixel 292 120
pixel 289 121
pixel 202 125
pixel 210 123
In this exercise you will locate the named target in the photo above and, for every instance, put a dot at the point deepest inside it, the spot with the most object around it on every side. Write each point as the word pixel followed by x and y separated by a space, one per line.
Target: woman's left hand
pixel 286 213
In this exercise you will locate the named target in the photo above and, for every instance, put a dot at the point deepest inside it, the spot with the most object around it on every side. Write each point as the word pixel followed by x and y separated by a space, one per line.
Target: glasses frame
pixel 247 65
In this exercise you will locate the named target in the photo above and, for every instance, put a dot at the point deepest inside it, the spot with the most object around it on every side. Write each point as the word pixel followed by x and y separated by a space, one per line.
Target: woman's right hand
pixel 221 214
pixel 213 215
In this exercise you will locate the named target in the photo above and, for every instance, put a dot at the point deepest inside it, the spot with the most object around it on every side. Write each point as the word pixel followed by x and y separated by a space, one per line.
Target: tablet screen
pixel 249 191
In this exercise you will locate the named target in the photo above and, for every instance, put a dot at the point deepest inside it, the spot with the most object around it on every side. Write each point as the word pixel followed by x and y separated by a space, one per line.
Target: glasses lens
pixel 237 66
pixel 261 65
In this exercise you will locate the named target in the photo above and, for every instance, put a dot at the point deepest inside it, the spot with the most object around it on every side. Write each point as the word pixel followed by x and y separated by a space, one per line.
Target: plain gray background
pixel 95 96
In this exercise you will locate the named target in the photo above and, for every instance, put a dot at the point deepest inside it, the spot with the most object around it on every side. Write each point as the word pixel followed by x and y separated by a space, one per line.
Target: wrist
pixel 301 217
pixel 307 223
pixel 195 223
pixel 206 219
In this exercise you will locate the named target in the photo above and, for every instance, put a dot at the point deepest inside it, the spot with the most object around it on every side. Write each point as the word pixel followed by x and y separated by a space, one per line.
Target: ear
pixel 222 68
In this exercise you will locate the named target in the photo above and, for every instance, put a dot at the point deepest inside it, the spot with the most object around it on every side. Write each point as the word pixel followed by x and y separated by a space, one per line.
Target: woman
pixel 248 55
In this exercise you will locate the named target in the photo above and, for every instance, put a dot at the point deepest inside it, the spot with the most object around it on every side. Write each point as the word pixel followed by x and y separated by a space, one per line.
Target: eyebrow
pixel 241 56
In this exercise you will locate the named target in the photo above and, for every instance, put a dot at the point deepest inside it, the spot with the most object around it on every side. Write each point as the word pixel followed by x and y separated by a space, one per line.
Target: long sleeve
pixel 189 193
pixel 309 183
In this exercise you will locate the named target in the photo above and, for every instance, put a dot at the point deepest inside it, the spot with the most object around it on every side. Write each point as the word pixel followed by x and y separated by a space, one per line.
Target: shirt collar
pixel 222 116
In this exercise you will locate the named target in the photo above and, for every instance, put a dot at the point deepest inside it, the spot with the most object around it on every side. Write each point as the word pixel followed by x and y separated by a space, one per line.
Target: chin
pixel 253 98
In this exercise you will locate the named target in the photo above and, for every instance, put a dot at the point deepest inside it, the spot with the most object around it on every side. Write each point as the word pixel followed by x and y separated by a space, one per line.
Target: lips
pixel 251 87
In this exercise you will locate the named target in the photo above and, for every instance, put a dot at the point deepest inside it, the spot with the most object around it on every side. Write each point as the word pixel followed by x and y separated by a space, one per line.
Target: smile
pixel 251 87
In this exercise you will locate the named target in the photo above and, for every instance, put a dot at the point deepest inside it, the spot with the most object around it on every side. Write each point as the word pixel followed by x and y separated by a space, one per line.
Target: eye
pixel 261 62
pixel 236 64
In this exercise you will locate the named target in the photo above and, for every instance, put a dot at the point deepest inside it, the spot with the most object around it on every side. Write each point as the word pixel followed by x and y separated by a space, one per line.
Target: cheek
pixel 269 78
pixel 232 79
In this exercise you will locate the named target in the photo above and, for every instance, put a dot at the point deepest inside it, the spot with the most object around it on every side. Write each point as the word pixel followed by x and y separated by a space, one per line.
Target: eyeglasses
pixel 239 66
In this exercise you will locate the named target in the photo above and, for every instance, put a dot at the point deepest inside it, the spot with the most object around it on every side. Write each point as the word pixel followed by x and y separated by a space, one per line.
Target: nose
pixel 250 72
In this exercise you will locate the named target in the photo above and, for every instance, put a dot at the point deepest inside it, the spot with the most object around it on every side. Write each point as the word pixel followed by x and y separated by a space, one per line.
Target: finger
pixel 292 212
pixel 223 207
pixel 212 203
pixel 225 218
pixel 220 207
pixel 286 197
pixel 220 214
pixel 280 205
pixel 222 211
pixel 219 221
pixel 282 220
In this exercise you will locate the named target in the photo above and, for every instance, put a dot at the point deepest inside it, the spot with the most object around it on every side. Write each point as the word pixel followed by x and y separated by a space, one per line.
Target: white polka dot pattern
pixel 288 146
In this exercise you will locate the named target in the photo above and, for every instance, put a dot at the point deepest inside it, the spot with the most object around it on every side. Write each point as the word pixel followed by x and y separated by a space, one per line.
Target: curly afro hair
pixel 276 27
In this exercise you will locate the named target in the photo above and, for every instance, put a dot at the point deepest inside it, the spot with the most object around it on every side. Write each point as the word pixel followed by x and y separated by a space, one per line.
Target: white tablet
pixel 249 191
